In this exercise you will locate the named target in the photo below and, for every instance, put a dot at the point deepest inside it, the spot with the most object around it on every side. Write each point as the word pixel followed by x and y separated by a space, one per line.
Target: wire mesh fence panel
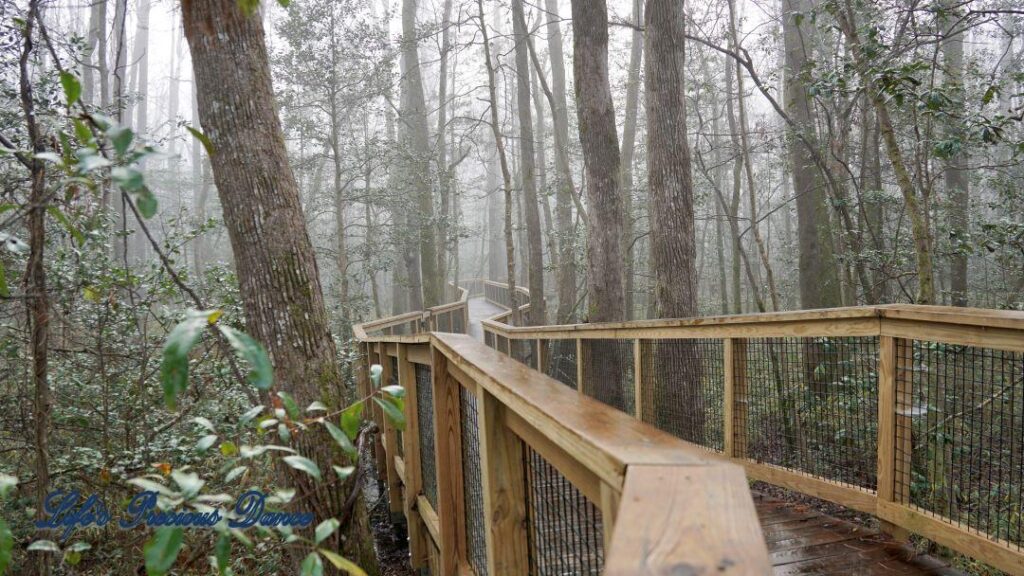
pixel 501 344
pixel 444 322
pixel 813 406
pixel 684 388
pixel 561 364
pixel 564 530
pixel 525 351
pixel 458 322
pixel 425 413
pixel 489 339
pixel 394 382
pixel 964 407
pixel 472 484
pixel 608 370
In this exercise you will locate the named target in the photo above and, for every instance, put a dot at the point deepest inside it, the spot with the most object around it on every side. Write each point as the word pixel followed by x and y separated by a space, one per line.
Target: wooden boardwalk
pixel 802 540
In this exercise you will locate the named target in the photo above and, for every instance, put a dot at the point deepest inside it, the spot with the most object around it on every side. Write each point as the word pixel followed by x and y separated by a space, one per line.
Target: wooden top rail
pixel 1002 329
pixel 363 331
pixel 676 509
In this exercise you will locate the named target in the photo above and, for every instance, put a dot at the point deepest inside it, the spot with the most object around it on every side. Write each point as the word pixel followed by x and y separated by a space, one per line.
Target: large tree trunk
pixel 566 276
pixel 673 247
pixel 277 271
pixel 527 172
pixel 628 146
pixel 600 142
pixel 443 173
pixel 418 180
pixel 819 277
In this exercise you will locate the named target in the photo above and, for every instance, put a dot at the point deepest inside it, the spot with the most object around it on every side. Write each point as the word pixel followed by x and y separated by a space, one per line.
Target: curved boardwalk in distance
pixel 480 309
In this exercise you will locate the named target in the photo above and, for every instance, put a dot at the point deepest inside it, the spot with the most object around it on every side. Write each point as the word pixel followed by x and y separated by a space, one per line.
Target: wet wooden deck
pixel 802 540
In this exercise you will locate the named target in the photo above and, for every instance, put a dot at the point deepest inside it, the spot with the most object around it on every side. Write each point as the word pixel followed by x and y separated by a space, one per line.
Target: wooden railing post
pixel 504 489
pixel 391 443
pixel 735 425
pixel 643 381
pixel 895 370
pixel 374 357
pixel 542 355
pixel 448 445
pixel 413 482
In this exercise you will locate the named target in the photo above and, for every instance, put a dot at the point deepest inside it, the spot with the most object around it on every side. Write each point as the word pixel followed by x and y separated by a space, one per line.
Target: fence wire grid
pixel 425 414
pixel 472 484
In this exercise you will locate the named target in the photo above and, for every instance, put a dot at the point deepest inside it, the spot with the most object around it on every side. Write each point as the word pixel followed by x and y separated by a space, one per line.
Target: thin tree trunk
pixel 628 146
pixel 444 177
pixel 956 179
pixel 534 235
pixel 567 272
pixel 38 302
pixel 506 176
pixel 277 271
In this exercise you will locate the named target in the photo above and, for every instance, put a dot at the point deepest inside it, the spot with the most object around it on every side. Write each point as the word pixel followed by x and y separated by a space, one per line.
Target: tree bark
pixel 600 142
pixel 956 179
pixel 277 270
pixel 819 277
pixel 534 235
pixel 418 180
pixel 628 146
pixel 567 273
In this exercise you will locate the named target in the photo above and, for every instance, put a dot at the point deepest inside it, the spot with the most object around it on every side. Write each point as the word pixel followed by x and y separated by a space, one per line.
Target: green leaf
pixel 222 552
pixel 304 464
pixel 4 290
pixel 393 413
pixel 202 139
pixel 283 433
pixel 235 473
pixel 80 547
pixel 317 406
pixel 375 373
pixel 162 550
pixel 174 365
pixel 60 217
pixel 146 202
pixel 189 482
pixel 121 137
pixel 228 448
pixel 72 88
pixel 129 179
pixel 342 563
pixel 285 3
pixel 205 442
pixel 351 418
pixel 205 423
pixel 343 472
pixel 82 132
pixel 396 391
pixel 6 546
pixel 312 565
pixel 250 414
pixel 261 373
pixel 342 440
pixel 325 529
pixel 43 546
pixel 289 405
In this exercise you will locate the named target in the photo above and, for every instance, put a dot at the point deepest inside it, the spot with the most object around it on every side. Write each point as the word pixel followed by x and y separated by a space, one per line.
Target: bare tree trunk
pixel 534 235
pixel 673 246
pixel 38 302
pixel 598 136
pixel 541 130
pixel 277 271
pixel 506 175
pixel 748 164
pixel 567 272
pixel 956 178
pixel 414 116
pixel 819 278
pixel 628 146
pixel 443 173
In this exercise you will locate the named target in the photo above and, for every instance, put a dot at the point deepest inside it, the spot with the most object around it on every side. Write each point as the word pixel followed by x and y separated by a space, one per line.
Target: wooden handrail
pixel 610 457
